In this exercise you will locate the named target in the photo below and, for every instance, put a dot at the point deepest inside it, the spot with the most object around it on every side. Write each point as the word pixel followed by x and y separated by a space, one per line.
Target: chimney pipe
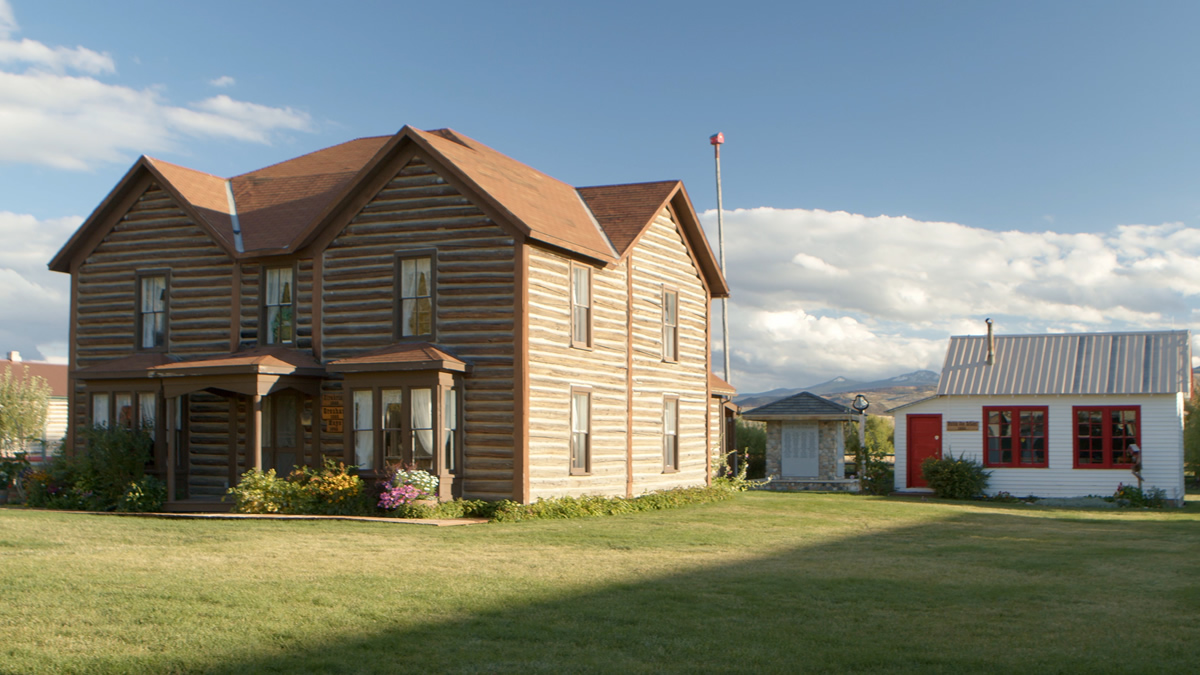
pixel 991 344
pixel 14 356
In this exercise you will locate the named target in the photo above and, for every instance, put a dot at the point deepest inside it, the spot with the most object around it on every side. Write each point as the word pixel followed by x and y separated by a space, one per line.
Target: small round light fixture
pixel 860 403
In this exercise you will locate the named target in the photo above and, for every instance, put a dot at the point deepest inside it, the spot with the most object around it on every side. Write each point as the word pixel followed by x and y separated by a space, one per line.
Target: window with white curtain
pixel 152 314
pixel 422 428
pixel 364 429
pixel 581 306
pixel 100 412
pixel 147 410
pixel 416 296
pixel 670 434
pixel 279 306
pixel 581 427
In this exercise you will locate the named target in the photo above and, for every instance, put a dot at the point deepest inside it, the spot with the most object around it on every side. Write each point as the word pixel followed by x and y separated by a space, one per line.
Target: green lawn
pixel 763 583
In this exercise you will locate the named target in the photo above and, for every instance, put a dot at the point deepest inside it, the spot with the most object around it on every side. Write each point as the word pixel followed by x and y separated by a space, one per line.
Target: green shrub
pixel 144 495
pixel 1132 496
pixel 330 490
pixel 952 478
pixel 590 505
pixel 95 479
pixel 879 478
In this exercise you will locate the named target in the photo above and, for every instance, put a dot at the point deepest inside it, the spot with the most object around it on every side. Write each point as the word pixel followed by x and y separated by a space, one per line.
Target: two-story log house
pixel 417 298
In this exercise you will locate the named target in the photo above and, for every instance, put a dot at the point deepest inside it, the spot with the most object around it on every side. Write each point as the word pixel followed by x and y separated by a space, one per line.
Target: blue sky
pixel 893 172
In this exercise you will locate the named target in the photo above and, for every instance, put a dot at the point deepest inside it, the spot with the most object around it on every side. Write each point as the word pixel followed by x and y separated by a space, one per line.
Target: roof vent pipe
pixel 991 344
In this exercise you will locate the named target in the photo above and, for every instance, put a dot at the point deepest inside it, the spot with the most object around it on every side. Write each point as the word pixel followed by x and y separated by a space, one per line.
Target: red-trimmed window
pixel 1015 436
pixel 1104 434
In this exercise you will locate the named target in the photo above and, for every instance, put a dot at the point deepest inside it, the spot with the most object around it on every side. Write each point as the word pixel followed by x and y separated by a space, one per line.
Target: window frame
pixel 1015 435
pixel 1106 435
pixel 589 308
pixel 264 328
pixel 671 356
pixel 140 315
pixel 586 470
pixel 398 291
pixel 672 452
pixel 376 383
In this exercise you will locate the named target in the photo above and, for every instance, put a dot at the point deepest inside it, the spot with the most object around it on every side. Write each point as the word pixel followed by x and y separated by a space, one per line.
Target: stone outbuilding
pixel 805 446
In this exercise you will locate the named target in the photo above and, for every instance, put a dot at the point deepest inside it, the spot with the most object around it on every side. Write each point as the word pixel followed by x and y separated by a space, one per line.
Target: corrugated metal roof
pixel 1069 363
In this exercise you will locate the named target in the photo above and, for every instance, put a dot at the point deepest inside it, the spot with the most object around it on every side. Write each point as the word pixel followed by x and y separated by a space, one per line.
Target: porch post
pixel 254 436
pixel 171 449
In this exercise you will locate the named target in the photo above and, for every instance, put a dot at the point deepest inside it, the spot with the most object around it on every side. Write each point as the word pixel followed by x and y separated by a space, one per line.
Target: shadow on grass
pixel 971 593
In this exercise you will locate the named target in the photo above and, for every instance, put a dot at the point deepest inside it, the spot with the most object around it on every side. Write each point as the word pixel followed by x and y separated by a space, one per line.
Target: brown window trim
pixel 376 382
pixel 398 294
pixel 667 467
pixel 587 342
pixel 137 309
pixel 264 331
pixel 587 452
pixel 670 290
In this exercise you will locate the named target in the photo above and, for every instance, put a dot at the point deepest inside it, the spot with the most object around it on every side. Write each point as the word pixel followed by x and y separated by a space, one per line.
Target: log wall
pixel 661 258
pixel 555 367
pixel 418 210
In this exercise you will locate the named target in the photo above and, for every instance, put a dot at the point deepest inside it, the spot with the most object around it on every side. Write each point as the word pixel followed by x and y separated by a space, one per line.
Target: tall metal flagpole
pixel 717 139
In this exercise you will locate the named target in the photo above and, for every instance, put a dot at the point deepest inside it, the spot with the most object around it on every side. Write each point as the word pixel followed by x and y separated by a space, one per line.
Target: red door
pixel 924 440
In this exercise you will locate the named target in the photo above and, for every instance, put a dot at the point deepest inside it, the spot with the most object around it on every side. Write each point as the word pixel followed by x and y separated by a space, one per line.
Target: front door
pixel 281 432
pixel 800 457
pixel 924 440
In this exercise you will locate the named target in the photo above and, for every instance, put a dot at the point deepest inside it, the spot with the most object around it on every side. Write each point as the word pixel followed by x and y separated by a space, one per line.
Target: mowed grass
pixel 763 583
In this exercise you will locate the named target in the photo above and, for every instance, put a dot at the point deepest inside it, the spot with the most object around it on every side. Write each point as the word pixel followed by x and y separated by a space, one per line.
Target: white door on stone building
pixel 800 455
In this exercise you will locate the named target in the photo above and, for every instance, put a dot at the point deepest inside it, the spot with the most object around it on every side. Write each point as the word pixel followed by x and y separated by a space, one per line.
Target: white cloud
pixel 34 302
pixel 818 294
pixel 55 113
pixel 223 81
pixel 8 22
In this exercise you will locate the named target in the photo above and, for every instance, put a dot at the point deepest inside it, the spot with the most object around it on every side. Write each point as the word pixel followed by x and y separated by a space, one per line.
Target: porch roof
pixel 402 356
pixel 259 371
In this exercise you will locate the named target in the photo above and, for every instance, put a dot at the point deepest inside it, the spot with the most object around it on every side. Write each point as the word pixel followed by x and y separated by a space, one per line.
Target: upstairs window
pixel 581 306
pixel 416 293
pixel 1015 437
pixel 670 325
pixel 279 306
pixel 152 311
pixel 1104 436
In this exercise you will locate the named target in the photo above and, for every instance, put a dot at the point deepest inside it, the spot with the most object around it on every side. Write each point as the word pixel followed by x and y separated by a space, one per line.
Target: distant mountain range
pixel 883 394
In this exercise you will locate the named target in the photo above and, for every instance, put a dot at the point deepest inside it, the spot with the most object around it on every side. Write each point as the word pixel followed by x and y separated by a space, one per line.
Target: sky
pixel 893 173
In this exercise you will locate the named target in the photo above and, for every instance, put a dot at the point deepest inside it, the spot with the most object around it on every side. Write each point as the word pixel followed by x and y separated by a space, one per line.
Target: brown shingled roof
pixel 276 203
pixel 624 211
pixel 282 207
pixel 550 209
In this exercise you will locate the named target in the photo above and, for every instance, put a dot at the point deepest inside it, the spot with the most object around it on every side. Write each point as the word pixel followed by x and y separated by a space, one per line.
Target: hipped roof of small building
pixel 299 204
pixel 800 407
